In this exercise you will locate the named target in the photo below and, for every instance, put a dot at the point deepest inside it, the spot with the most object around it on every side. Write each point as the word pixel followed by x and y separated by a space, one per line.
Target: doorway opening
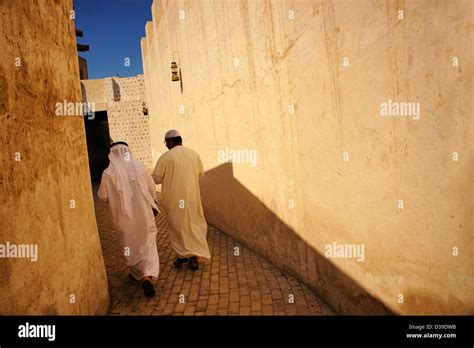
pixel 98 143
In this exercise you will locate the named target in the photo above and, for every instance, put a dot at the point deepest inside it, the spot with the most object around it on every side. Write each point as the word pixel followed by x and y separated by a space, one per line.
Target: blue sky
pixel 112 29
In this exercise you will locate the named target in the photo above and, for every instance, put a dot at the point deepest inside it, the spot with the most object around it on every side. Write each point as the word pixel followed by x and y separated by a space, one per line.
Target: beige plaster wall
pixel 46 192
pixel 272 77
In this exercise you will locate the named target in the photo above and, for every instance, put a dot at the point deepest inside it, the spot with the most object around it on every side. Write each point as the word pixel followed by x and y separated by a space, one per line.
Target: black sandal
pixel 179 262
pixel 148 288
pixel 194 263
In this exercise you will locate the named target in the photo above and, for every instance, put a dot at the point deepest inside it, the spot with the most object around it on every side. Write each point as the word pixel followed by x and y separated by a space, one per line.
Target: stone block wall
pixel 123 99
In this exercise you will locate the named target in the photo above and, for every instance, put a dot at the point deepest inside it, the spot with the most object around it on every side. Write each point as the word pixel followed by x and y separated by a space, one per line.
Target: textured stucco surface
pixel 287 65
pixel 123 98
pixel 37 191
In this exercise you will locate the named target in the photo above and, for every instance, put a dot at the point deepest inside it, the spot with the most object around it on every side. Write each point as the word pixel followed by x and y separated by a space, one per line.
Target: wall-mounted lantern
pixel 174 72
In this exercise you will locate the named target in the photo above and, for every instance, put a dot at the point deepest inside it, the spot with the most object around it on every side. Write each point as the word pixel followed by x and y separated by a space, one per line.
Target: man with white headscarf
pixel 130 192
pixel 178 171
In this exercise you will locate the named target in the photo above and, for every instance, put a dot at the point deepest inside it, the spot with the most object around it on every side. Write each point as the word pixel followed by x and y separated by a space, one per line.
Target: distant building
pixel 120 111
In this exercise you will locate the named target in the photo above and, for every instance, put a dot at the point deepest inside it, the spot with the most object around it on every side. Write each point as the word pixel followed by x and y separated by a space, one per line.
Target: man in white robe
pixel 130 192
pixel 178 171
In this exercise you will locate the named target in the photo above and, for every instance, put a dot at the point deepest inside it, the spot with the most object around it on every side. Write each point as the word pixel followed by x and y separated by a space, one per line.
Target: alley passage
pixel 228 285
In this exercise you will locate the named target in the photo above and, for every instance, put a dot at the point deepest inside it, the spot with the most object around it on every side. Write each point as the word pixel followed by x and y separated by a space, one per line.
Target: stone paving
pixel 228 285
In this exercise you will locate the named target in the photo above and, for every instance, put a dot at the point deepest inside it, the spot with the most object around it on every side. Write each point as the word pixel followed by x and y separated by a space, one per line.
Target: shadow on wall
pixel 83 92
pixel 116 90
pixel 231 207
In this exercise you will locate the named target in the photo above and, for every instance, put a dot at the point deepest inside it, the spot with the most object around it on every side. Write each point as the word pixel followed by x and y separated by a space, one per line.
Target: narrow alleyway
pixel 229 285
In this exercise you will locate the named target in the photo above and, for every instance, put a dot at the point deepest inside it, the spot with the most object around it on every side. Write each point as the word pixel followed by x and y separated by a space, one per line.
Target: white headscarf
pixel 123 169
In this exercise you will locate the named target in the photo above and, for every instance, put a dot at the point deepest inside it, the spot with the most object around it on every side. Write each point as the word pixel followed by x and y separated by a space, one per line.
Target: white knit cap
pixel 172 133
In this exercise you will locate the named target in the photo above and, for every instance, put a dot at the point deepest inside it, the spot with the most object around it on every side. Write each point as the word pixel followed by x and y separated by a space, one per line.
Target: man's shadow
pixel 233 209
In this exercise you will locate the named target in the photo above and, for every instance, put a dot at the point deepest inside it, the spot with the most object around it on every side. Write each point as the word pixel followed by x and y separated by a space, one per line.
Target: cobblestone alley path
pixel 228 285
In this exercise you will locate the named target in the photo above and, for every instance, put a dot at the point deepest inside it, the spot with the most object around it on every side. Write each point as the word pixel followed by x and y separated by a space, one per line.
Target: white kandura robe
pixel 178 171
pixel 137 234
